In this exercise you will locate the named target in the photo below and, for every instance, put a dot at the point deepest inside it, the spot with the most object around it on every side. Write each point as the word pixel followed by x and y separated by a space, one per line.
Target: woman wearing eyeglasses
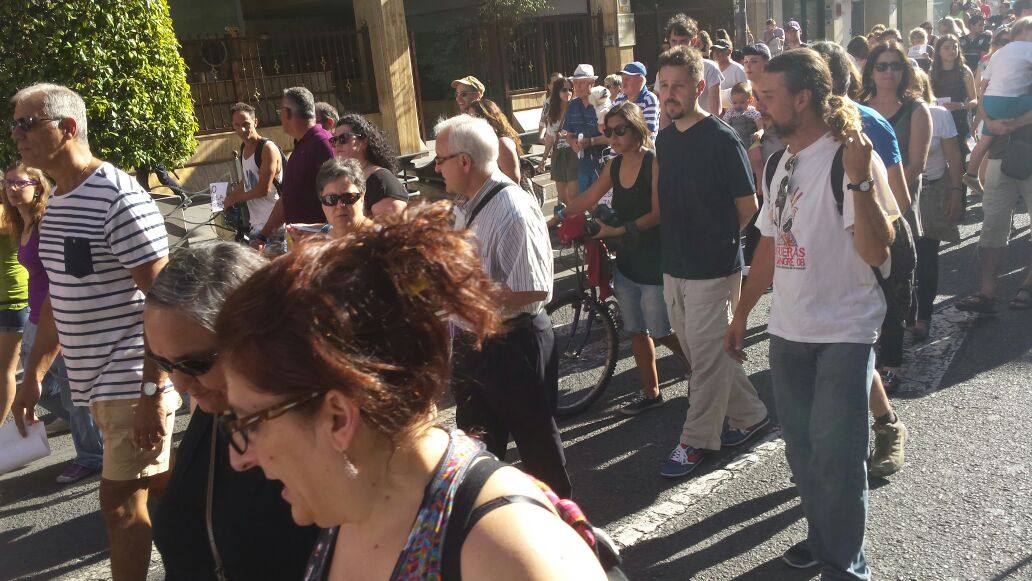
pixel 14 291
pixel 890 87
pixel 356 138
pixel 212 517
pixel 564 159
pixel 638 276
pixel 335 398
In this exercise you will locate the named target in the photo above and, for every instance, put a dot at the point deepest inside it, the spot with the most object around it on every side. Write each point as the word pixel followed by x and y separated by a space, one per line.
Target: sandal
pixel 977 303
pixel 1022 299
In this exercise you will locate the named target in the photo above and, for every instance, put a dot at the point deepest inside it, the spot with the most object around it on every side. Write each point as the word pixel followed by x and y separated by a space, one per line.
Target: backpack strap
pixel 482 468
pixel 838 173
pixel 772 166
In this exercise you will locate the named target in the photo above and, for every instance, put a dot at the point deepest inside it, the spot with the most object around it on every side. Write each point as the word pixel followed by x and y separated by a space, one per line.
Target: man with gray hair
pixel 299 201
pixel 511 385
pixel 102 242
pixel 326 115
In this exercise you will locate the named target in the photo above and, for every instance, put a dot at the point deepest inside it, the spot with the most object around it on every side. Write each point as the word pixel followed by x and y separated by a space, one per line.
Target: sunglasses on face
pixel 237 430
pixel 193 367
pixel 349 198
pixel 896 67
pixel 619 130
pixel 18 184
pixel 30 122
pixel 343 138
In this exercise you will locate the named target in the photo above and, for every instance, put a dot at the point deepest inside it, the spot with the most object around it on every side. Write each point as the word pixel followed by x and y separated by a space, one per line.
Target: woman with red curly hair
pixel 335 355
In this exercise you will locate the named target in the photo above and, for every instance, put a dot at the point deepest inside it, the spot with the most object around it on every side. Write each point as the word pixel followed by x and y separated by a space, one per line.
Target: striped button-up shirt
pixel 649 103
pixel 512 240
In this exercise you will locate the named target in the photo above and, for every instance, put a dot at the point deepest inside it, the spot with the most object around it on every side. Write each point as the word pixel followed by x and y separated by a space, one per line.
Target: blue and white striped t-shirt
pixel 88 241
pixel 649 104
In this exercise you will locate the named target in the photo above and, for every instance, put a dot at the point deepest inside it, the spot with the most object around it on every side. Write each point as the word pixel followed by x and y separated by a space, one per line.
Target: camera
pixel 602 214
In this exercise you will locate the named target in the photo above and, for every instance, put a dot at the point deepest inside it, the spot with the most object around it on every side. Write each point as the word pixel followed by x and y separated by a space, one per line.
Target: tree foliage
pixel 121 55
pixel 508 13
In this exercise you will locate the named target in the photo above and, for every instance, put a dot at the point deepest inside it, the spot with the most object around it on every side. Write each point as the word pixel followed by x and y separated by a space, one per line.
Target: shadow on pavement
pixel 77 542
pixel 658 549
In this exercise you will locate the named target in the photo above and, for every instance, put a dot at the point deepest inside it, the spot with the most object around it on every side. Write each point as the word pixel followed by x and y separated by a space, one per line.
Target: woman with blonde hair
pixel 25 195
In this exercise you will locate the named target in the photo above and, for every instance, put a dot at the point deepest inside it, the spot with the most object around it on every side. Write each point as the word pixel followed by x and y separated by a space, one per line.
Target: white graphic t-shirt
pixel 823 291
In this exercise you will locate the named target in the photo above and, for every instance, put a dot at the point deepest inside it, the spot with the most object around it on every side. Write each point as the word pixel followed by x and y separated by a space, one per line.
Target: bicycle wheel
pixel 587 341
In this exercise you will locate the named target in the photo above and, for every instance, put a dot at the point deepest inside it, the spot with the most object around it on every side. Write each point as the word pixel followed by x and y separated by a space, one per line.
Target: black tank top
pixel 641 261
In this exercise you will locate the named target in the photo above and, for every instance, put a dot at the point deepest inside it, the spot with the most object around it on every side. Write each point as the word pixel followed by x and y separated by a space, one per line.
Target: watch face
pixel 865 186
pixel 150 388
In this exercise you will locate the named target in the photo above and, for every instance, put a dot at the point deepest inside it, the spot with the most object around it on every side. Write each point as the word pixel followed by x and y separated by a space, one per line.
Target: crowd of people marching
pixel 828 176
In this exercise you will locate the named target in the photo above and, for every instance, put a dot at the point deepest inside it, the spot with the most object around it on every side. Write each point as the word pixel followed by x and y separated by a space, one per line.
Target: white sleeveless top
pixel 259 209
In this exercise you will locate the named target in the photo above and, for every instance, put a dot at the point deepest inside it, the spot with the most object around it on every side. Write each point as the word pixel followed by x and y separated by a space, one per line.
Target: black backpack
pixel 903 253
pixel 258 158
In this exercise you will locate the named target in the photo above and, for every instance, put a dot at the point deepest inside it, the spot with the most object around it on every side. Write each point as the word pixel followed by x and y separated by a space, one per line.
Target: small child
pixel 1007 96
pixel 743 116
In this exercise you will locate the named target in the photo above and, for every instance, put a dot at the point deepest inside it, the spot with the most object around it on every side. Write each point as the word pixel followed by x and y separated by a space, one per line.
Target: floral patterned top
pixel 422 556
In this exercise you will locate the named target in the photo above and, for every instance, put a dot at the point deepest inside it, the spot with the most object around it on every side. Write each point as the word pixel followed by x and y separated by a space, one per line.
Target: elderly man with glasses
pixel 510 386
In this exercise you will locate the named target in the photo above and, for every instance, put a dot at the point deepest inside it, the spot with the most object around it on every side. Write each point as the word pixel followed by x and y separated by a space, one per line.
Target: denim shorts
pixel 642 306
pixel 13 321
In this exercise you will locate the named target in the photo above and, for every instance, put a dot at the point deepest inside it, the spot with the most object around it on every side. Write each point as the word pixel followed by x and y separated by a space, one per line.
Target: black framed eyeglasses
pixel 193 366
pixel 440 160
pixel 238 430
pixel 30 122
pixel 619 130
pixel 349 198
pixel 343 138
pixel 896 66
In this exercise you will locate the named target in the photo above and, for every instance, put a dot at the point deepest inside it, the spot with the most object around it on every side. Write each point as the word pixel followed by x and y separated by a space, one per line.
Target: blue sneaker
pixel 739 436
pixel 682 461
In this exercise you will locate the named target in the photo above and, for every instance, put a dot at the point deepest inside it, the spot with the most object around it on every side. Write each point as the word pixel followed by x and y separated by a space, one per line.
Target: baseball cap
pixel 721 44
pixel 794 24
pixel 634 68
pixel 471 81
pixel 758 49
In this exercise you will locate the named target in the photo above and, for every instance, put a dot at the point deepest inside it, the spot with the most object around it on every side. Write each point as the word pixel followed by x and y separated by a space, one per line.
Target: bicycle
pixel 188 200
pixel 587 337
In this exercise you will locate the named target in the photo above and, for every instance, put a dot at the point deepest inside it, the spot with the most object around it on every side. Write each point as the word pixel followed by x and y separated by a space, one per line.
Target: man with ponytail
pixel 827 303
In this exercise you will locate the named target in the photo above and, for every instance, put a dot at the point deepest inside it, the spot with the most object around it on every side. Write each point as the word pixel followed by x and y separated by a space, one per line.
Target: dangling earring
pixel 349 466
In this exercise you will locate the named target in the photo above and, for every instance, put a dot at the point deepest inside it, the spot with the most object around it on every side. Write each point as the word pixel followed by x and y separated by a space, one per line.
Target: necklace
pixel 82 176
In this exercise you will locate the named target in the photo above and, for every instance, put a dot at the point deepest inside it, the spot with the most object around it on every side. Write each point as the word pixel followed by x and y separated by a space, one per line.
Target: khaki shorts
pixel 123 459
pixel 998 202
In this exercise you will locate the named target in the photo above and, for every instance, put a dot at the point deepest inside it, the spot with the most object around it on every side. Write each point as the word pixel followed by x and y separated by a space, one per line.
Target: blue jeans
pixel 587 171
pixel 821 392
pixel 89 446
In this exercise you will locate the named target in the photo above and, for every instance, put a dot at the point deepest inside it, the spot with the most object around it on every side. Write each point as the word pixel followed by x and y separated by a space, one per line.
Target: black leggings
pixel 926 276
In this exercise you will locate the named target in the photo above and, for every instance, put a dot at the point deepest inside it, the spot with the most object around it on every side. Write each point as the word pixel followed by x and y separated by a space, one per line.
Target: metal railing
pixel 333 64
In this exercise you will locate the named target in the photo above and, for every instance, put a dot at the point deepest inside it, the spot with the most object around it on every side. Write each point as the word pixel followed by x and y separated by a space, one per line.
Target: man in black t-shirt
pixel 707 195
pixel 975 44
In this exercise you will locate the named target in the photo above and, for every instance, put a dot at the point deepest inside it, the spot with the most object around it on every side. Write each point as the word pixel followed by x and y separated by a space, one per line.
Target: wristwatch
pixel 150 388
pixel 864 186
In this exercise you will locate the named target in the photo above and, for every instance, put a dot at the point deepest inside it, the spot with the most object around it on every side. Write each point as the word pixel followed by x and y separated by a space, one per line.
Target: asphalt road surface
pixel 960 509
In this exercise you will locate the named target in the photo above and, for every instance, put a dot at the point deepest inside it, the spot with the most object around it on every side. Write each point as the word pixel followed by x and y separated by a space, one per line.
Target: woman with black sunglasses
pixel 890 87
pixel 341 186
pixel 638 276
pixel 213 522
pixel 356 138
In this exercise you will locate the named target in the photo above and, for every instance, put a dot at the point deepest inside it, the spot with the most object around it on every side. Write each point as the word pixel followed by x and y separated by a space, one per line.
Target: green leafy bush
pixel 121 56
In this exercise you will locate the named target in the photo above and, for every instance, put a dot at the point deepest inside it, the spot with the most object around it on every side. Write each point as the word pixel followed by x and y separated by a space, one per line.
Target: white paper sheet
pixel 16 451
pixel 218 195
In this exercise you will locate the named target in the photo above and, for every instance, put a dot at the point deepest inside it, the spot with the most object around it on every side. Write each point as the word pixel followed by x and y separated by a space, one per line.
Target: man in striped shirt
pixel 102 243
pixel 633 77
pixel 511 385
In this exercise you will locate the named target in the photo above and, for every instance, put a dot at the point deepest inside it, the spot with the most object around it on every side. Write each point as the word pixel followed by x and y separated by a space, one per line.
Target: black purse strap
pixel 483 202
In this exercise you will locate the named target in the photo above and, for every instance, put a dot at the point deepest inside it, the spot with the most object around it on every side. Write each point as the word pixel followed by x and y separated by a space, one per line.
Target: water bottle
pixel 580 152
